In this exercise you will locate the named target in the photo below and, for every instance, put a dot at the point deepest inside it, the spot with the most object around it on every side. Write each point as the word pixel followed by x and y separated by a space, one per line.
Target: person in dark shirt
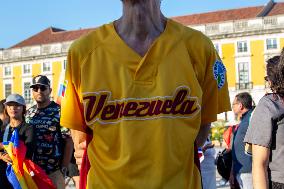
pixel 241 162
pixel 3 122
pixel 4 119
pixel 54 145
pixel 15 108
pixel 266 131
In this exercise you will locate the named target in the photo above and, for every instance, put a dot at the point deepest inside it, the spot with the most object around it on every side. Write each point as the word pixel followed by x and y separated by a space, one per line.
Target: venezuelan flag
pixel 23 173
pixel 61 88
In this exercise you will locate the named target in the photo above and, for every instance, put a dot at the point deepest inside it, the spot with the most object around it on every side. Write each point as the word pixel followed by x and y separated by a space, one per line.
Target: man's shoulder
pixel 193 39
pixel 53 106
pixel 31 109
pixel 185 30
pixel 90 41
pixel 270 101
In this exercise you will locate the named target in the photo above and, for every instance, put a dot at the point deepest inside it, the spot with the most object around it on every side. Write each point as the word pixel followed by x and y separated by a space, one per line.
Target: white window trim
pixel 7 76
pixel 241 60
pixel 46 72
pixel 9 81
pixel 27 74
pixel 26 80
pixel 272 50
pixel 49 76
pixel 242 53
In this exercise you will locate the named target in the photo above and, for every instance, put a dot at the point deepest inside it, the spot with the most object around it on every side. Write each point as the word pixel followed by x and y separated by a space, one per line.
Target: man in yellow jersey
pixel 146 89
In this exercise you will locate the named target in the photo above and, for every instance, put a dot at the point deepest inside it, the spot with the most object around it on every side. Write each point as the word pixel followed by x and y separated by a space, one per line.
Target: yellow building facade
pixel 16 76
pixel 243 43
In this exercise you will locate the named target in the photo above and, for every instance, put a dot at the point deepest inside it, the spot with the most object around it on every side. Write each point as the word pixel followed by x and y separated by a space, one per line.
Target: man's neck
pixel 43 104
pixel 244 111
pixel 140 30
pixel 139 33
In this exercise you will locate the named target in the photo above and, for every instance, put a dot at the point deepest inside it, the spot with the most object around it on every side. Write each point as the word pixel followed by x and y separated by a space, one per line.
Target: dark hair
pixel 245 99
pixel 279 86
pixel 272 72
pixel 2 106
pixel 2 111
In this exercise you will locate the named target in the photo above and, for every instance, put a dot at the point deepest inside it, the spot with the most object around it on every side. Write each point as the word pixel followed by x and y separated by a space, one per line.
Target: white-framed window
pixel 46 67
pixel 50 79
pixel 271 43
pixel 7 71
pixel 7 89
pixel 242 46
pixel 243 71
pixel 27 69
pixel 243 76
pixel 27 92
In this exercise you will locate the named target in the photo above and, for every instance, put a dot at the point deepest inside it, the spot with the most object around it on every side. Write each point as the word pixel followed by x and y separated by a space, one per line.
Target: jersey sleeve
pixel 215 97
pixel 71 105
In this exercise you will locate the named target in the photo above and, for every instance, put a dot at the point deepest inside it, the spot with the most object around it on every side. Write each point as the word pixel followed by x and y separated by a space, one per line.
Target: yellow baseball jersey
pixel 145 112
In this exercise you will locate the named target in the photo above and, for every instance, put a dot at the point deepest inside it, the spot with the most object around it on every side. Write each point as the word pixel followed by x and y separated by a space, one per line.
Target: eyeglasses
pixel 41 87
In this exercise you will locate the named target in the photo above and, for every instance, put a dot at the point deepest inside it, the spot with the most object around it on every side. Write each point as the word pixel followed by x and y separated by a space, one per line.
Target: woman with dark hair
pixel 15 108
pixel 4 119
pixel 266 132
pixel 3 122
pixel 271 73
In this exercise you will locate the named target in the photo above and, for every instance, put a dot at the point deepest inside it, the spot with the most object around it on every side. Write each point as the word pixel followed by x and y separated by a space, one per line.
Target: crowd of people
pixel 256 142
pixel 141 94
pixel 49 145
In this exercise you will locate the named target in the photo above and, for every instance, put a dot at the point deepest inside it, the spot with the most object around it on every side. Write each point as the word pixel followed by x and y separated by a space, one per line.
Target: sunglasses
pixel 41 87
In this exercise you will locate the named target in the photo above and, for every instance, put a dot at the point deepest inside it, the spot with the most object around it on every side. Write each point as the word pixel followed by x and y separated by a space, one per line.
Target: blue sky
pixel 21 19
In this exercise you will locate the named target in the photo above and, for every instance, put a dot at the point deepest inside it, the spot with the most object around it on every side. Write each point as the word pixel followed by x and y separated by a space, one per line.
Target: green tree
pixel 217 130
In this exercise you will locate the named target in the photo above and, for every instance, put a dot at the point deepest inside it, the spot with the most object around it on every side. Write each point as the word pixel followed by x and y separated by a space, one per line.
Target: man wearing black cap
pixel 49 135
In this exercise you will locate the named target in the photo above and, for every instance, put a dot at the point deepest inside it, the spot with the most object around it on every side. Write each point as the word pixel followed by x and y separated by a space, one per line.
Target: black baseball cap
pixel 40 80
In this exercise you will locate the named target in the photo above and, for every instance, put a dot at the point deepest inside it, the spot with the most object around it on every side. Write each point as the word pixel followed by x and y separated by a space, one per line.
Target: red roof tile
pixel 52 35
pixel 219 16
pixel 277 9
pixel 55 35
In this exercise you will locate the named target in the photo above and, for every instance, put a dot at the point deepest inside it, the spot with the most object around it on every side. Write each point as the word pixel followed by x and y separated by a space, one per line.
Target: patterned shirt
pixel 48 135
